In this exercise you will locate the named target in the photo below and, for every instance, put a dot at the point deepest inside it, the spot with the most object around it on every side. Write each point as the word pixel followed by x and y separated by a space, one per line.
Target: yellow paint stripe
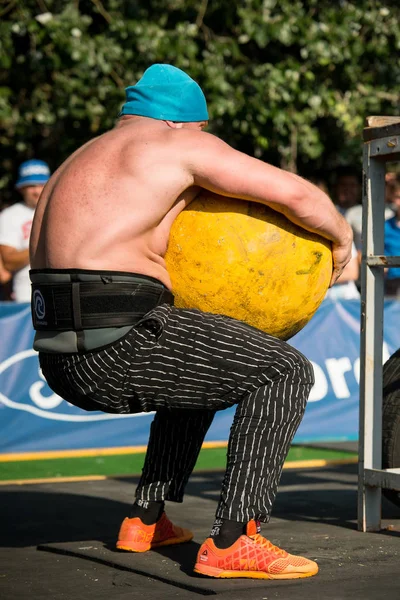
pixel 17 456
pixel 215 445
pixel 20 456
pixel 53 480
pixel 295 464
pixel 312 463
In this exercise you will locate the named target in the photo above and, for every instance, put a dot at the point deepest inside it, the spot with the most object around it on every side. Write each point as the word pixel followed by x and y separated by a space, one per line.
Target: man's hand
pixel 341 253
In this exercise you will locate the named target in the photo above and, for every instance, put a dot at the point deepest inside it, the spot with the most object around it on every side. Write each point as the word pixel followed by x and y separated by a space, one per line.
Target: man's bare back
pixel 110 206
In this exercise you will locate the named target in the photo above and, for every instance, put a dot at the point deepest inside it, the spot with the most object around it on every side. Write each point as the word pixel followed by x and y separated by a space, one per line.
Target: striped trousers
pixel 186 365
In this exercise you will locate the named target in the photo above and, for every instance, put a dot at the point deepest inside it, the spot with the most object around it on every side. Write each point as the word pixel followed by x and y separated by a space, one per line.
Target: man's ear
pixel 174 124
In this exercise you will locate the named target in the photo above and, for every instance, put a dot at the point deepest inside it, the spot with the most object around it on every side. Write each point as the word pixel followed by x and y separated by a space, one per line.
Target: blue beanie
pixel 166 93
pixel 32 172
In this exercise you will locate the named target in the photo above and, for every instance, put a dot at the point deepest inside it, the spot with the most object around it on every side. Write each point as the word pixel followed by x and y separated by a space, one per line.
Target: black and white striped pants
pixel 186 365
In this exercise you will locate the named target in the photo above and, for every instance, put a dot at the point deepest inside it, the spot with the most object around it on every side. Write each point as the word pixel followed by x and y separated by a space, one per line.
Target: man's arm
pixel 216 166
pixel 14 259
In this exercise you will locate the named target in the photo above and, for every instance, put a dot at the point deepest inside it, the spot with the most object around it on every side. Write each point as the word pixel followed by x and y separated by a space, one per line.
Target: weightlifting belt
pixel 78 305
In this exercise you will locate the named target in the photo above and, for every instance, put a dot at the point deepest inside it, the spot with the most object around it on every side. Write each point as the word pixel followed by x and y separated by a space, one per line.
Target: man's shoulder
pixel 194 136
pixel 193 145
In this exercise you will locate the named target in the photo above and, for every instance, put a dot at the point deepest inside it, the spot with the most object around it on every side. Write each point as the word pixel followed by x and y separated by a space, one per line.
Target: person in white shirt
pixel 354 214
pixel 16 223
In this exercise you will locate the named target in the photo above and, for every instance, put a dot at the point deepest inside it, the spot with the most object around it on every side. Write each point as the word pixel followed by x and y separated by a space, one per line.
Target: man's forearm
pixel 317 213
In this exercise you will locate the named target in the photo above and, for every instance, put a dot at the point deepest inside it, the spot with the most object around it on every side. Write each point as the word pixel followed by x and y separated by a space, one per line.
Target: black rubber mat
pixel 343 554
pixel 75 525
pixel 173 565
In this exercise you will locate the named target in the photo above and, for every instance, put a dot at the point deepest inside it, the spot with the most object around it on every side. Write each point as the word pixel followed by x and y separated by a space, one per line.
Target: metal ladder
pixel 381 145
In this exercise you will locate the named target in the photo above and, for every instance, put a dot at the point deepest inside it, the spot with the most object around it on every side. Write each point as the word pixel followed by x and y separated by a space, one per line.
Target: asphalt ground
pixel 57 541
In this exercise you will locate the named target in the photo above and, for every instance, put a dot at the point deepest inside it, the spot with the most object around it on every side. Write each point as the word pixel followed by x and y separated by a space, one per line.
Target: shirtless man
pixel 109 337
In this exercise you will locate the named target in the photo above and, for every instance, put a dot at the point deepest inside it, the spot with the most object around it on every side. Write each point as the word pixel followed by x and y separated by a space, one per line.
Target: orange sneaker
pixel 135 536
pixel 252 556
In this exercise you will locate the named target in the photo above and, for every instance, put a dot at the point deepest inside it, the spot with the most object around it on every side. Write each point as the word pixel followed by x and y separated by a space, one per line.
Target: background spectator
pixel 5 283
pixel 392 241
pixel 347 188
pixel 354 214
pixel 392 181
pixel 348 200
pixel 5 276
pixel 345 287
pixel 15 226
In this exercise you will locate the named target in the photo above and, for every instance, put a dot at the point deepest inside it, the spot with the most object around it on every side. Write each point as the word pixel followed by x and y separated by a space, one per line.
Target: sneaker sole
pixel 220 573
pixel 145 548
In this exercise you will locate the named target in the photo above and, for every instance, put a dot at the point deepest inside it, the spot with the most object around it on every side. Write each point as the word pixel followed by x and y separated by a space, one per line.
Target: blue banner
pixel 34 419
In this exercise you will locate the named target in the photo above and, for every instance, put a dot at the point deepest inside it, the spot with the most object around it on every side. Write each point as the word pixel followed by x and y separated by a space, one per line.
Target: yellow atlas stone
pixel 244 260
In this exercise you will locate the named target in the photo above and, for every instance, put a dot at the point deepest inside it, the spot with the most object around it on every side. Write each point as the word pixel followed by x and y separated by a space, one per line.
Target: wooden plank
pixel 381 121
pixel 381 126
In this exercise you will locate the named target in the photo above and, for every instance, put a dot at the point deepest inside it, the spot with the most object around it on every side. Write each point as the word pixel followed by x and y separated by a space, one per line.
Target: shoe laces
pixel 262 541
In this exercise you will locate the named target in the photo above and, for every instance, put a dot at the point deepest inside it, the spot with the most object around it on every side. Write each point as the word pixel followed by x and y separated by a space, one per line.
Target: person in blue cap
pixel 110 338
pixel 15 226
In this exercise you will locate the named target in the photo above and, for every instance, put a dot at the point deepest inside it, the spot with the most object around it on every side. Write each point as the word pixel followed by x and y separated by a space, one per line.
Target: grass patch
pixel 131 464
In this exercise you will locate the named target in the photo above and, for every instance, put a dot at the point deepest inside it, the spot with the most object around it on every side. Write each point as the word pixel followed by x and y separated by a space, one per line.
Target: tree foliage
pixel 290 82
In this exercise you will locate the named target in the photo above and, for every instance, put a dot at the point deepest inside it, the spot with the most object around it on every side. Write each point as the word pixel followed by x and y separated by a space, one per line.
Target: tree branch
pixel 201 13
pixel 8 8
pixel 42 6
pixel 117 79
pixel 102 10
